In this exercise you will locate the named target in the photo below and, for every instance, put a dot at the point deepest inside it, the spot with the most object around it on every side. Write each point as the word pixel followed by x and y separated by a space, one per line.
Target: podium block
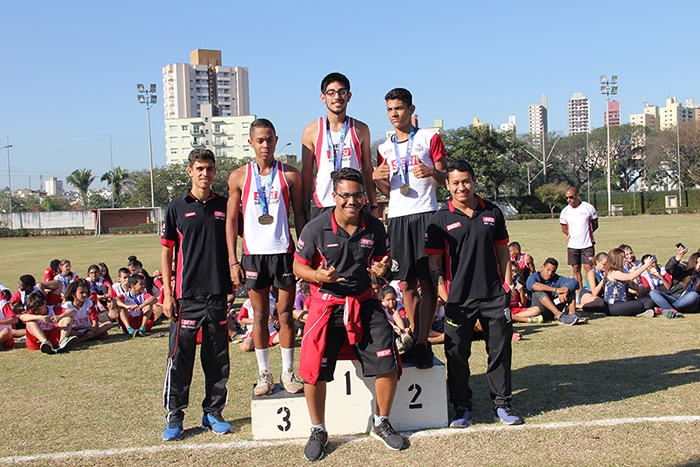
pixel 420 402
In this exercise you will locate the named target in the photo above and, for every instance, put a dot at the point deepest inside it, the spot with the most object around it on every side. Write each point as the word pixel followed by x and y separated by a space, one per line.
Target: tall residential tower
pixel 579 114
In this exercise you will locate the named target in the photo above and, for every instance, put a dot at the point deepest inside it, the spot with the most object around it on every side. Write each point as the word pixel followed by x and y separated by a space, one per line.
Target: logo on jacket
pixel 488 220
pixel 454 225
pixel 366 243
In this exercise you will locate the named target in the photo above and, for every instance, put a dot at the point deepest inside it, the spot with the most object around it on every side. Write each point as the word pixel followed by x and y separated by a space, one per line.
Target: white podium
pixel 420 402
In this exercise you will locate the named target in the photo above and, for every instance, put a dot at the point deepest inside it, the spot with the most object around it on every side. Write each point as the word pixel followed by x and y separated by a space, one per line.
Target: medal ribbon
pixel 263 192
pixel 337 156
pixel 402 169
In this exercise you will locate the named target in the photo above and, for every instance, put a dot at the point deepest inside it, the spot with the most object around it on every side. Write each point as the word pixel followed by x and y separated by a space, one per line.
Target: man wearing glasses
pixel 578 222
pixel 331 143
pixel 333 254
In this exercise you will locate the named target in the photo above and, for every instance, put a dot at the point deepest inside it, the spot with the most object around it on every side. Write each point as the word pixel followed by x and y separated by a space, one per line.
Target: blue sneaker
pixel 463 418
pixel 173 431
pixel 215 423
pixel 506 415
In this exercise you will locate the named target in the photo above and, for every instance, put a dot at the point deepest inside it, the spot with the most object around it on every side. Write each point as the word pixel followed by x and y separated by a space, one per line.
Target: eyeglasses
pixel 359 196
pixel 342 92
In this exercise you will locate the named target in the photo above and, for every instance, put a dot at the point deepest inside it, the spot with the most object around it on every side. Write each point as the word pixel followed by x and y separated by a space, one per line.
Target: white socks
pixel 287 359
pixel 263 357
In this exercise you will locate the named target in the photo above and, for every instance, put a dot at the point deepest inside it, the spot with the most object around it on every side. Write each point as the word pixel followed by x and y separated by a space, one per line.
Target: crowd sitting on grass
pixel 64 310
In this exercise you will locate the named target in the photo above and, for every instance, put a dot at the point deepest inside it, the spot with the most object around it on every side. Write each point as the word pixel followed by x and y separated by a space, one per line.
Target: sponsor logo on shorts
pixel 366 243
pixel 489 220
pixel 332 245
pixel 454 225
pixel 300 244
pixel 222 322
pixel 324 361
pixel 386 243
pixel 190 214
pixel 251 274
pixel 383 353
pixel 220 215
pixel 188 323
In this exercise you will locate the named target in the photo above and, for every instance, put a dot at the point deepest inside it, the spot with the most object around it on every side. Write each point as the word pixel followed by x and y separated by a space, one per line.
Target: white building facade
pixel 579 114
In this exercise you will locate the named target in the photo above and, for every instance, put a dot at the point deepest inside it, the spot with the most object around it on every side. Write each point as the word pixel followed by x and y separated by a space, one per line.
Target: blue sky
pixel 70 68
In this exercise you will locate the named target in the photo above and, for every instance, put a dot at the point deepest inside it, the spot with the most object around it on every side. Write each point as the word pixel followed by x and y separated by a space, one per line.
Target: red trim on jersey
pixel 178 268
pixel 167 243
pixel 317 155
pixel 302 260
pixel 437 148
pixel 501 242
pixel 284 187
pixel 356 141
pixel 433 251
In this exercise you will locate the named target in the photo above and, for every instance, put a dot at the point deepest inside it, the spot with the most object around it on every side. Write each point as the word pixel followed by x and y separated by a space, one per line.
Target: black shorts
pixel 407 237
pixel 583 256
pixel 375 351
pixel 262 271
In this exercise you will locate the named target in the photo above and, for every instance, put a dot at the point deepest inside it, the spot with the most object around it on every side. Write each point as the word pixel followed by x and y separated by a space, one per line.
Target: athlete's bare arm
pixel 166 265
pixel 308 147
pixel 530 263
pixel 294 179
pixel 235 188
pixel 438 275
pixel 503 255
pixel 366 163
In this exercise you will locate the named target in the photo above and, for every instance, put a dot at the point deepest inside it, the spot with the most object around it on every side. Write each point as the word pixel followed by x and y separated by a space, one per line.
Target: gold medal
pixel 266 219
pixel 404 189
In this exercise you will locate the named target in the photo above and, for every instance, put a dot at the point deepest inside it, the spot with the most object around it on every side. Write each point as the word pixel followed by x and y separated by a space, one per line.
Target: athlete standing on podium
pixel 266 189
pixel 333 142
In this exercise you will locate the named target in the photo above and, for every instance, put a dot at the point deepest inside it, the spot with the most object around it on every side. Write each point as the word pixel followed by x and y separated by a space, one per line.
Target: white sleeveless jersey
pixel 274 238
pixel 428 149
pixel 323 189
pixel 82 317
pixel 6 313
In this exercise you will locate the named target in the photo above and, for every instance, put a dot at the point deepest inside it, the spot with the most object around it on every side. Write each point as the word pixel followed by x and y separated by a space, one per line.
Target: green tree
pixel 82 179
pixel 55 203
pixel 116 179
pixel 491 153
pixel 552 194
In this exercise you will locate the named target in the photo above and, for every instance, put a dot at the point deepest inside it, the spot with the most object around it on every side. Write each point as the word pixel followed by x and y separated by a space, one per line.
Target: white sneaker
pixel 266 384
pixel 291 382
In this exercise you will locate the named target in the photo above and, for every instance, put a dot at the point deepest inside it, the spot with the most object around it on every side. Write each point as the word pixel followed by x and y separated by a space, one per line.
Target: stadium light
pixel 148 98
pixel 607 89
pixel 9 179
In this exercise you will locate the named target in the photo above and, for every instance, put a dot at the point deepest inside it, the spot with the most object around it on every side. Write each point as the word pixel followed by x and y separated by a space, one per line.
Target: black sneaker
pixel 386 433
pixel 315 446
pixel 47 348
pixel 422 357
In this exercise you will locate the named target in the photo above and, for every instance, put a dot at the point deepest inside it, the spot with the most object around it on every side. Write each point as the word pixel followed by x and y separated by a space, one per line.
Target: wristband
pixel 235 263
pixel 373 207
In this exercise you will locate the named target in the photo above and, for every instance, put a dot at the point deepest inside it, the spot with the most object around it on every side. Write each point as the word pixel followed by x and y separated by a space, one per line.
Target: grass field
pixel 618 391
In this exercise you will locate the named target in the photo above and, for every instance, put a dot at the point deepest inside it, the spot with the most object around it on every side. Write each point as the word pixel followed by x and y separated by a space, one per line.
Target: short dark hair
pixel 346 173
pixel 514 245
pixel 404 95
pixel 197 155
pixel 136 278
pixel 624 247
pixel 54 264
pixel 123 271
pixel 551 261
pixel 261 123
pixel 335 77
pixel 460 165
pixel 35 300
pixel 28 280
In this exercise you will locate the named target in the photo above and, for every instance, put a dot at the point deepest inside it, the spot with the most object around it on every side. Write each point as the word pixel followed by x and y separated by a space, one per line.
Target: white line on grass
pixel 96 453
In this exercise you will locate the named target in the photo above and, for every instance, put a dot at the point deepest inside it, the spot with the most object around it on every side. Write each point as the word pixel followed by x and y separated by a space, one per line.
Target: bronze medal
pixel 404 189
pixel 266 219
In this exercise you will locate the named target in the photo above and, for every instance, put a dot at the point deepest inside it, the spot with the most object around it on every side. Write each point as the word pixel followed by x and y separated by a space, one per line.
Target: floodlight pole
pixel 9 179
pixel 148 98
pixel 608 88
pixel 678 148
